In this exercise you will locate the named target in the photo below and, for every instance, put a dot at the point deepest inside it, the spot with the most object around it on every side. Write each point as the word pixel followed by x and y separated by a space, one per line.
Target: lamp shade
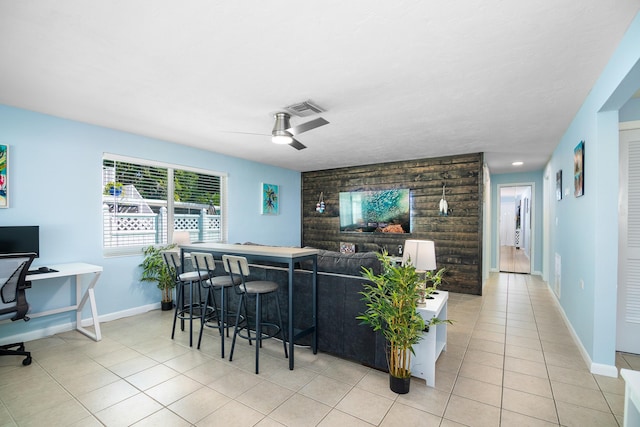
pixel 421 254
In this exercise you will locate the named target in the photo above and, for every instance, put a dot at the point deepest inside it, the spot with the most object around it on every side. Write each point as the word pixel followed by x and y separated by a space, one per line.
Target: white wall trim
pixel 604 370
pixel 594 368
pixel 122 314
pixel 635 124
pixel 48 331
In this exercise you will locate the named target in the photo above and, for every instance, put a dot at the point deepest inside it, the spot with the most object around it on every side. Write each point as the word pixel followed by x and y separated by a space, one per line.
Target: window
pixel 144 203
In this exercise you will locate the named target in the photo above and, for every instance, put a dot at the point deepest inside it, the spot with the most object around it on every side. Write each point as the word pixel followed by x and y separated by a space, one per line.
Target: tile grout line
pixel 544 358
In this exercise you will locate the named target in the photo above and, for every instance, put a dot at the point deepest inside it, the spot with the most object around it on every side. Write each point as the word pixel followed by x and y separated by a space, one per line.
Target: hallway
pixel 514 260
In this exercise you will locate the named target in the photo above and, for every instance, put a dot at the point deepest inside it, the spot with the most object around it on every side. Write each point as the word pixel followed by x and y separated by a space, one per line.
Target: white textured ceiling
pixel 399 79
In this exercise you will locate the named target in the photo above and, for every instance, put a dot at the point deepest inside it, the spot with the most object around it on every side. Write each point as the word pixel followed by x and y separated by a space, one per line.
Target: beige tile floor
pixel 510 361
pixel 514 260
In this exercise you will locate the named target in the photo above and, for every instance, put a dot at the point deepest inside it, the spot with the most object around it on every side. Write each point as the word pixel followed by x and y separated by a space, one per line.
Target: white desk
pixel 631 397
pixel 78 269
pixel 428 349
pixel 281 254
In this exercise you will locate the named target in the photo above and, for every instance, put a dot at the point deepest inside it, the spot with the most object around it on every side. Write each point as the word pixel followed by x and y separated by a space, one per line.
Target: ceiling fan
pixel 283 132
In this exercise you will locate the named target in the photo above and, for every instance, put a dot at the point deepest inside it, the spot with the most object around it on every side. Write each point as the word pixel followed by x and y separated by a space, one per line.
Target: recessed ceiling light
pixel 517 163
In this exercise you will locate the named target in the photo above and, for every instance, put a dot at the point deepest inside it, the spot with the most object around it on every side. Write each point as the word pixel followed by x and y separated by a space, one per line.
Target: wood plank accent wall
pixel 457 237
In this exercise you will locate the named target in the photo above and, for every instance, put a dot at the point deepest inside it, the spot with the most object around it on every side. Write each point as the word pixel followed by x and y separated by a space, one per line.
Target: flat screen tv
pixel 20 239
pixel 379 211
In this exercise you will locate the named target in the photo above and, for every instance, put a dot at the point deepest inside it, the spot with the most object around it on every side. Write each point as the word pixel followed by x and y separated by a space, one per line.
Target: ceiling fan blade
pixel 296 130
pixel 244 133
pixel 297 145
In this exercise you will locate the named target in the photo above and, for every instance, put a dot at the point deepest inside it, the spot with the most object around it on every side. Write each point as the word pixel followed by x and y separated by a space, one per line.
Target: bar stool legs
pixel 205 262
pixel 259 336
pixel 182 308
pixel 183 279
pixel 222 316
pixel 238 268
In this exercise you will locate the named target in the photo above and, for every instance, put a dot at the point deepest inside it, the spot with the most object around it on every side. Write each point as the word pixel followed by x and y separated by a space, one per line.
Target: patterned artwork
pixel 270 199
pixel 347 248
pixel 578 169
pixel 4 176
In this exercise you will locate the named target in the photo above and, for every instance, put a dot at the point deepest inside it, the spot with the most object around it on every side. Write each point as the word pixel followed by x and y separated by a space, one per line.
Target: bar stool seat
pixel 185 279
pixel 261 287
pixel 204 262
pixel 238 267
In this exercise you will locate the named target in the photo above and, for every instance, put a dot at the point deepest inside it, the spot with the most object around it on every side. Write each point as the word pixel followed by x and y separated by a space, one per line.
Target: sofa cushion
pixel 350 263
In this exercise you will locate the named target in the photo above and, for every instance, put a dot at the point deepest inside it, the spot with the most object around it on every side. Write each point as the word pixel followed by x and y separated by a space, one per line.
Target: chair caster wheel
pixel 27 361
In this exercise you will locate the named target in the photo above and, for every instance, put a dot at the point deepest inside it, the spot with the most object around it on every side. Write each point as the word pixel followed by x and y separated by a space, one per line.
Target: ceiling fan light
pixel 282 122
pixel 282 139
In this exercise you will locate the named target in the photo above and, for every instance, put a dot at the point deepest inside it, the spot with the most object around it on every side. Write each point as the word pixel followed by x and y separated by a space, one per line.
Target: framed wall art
pixel 559 185
pixel 578 169
pixel 270 199
pixel 4 176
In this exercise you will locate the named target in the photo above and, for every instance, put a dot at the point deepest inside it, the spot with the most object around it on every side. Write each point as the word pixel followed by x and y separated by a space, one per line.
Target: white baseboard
pixel 121 314
pixel 594 368
pixel 35 334
pixel 605 370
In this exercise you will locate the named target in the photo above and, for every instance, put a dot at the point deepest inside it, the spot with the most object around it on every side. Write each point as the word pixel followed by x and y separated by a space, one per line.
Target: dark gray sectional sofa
pixel 339 302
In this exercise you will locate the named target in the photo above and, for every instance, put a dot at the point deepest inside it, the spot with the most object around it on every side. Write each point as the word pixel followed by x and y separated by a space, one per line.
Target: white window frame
pixel 135 249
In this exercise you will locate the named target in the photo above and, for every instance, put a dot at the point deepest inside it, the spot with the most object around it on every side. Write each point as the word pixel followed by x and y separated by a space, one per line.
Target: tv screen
pixel 379 211
pixel 20 239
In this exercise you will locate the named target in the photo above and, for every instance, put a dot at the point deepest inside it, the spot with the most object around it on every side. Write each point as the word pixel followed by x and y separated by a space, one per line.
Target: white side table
pixel 631 397
pixel 428 349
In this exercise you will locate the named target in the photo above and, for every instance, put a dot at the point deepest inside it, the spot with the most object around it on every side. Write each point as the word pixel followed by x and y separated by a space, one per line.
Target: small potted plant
pixel 113 188
pixel 154 269
pixel 435 279
pixel 391 299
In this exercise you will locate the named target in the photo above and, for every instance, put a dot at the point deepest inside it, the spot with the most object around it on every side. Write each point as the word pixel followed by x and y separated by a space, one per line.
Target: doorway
pixel 628 313
pixel 515 207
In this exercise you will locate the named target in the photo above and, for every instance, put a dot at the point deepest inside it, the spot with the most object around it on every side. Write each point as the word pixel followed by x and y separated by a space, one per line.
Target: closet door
pixel 628 316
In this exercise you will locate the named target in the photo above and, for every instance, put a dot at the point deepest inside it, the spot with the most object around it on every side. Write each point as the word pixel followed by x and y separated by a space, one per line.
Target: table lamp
pixel 422 255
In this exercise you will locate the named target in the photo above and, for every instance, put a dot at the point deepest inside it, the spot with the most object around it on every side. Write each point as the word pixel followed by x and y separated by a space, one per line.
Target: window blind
pixel 143 204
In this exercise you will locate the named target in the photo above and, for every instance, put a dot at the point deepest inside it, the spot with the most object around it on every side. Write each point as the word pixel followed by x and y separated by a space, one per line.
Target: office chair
pixel 14 306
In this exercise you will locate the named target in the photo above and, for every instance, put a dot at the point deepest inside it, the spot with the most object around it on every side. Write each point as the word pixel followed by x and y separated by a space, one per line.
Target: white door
pixel 628 316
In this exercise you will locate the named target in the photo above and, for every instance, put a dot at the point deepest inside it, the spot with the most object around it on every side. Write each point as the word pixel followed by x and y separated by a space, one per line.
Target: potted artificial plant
pixel 113 188
pixel 154 269
pixel 391 300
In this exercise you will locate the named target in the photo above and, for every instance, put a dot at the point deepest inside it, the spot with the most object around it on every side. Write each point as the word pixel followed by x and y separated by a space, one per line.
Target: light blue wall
pixel 55 181
pixel 513 179
pixel 586 232
pixel 630 111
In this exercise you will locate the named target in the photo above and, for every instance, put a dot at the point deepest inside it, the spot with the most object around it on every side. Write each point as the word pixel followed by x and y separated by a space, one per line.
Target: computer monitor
pixel 20 239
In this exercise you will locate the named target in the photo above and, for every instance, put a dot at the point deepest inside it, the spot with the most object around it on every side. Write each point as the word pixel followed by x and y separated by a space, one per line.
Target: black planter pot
pixel 166 305
pixel 399 385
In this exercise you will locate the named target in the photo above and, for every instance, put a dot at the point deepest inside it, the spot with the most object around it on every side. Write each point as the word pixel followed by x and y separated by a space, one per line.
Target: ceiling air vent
pixel 303 109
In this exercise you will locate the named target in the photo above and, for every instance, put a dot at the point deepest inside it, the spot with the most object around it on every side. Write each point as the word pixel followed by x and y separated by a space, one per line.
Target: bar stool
pixel 238 266
pixel 204 262
pixel 184 310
